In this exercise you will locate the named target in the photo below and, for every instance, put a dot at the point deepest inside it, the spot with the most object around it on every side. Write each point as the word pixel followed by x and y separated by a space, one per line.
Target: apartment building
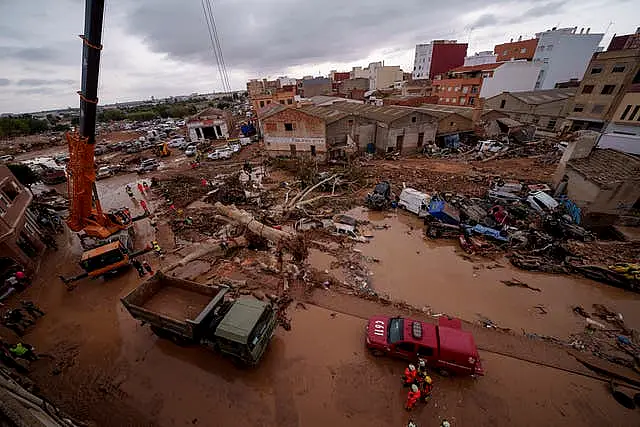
pixel 518 50
pixel 20 241
pixel 563 54
pixel 437 57
pixel 462 87
pixel 606 81
pixel 480 58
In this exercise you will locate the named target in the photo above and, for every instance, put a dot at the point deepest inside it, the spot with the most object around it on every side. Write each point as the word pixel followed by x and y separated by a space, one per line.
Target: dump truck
pixel 189 313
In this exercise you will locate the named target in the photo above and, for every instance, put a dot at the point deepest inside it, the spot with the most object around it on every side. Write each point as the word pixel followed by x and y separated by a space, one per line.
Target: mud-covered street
pixel 102 366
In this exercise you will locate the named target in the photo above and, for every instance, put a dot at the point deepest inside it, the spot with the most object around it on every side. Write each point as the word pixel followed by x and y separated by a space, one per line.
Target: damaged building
pixel 20 241
pixel 209 124
pixel 602 185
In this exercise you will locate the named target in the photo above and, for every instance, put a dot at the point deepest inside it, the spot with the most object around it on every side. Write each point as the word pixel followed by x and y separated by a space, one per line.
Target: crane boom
pixel 85 211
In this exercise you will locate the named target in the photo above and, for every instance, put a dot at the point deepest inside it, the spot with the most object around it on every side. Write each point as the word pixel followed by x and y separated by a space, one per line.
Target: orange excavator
pixel 110 233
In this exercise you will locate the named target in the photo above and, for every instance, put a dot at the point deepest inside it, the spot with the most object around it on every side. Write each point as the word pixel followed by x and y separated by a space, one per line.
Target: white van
pixel 414 201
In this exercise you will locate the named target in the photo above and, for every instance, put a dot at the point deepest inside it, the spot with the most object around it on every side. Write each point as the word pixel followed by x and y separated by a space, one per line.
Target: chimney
pixel 588 29
pixel 519 38
pixel 581 30
pixel 511 41
pixel 554 28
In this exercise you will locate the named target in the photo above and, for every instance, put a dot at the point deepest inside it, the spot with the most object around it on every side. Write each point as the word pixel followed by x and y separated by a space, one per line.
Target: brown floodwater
pixel 434 274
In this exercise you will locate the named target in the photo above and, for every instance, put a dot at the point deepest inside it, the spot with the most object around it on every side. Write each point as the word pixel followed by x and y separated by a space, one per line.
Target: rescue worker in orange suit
pixel 410 376
pixel 427 388
pixel 412 397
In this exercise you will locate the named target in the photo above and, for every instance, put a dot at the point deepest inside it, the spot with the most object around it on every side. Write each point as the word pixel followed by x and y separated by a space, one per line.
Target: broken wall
pixel 292 133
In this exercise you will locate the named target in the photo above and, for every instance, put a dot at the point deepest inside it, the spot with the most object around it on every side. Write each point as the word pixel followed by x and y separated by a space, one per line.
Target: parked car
pixel 445 346
pixel 414 201
pixel 191 150
pixel 235 147
pixel 177 143
pixel 99 150
pixel 7 158
pixel 61 158
pixel 135 148
pixel 245 141
pixel 104 172
pixel 220 153
pixel 147 165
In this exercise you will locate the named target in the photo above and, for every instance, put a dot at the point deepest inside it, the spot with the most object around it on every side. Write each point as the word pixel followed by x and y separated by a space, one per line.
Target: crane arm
pixel 85 212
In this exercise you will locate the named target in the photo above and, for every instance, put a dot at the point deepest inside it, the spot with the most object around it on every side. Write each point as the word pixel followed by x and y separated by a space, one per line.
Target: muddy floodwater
pixel 437 274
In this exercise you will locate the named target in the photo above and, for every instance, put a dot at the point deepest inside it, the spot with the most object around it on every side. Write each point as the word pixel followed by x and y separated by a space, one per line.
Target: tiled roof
pixel 607 167
pixel 481 67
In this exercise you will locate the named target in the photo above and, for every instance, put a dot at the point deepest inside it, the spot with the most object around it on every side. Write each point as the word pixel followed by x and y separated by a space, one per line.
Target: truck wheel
pixel 377 353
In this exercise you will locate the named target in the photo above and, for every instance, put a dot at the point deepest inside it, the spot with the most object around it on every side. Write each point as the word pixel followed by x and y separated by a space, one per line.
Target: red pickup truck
pixel 444 346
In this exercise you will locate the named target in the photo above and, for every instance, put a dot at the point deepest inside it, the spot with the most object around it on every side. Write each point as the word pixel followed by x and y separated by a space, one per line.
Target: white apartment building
pixel 480 58
pixel 287 81
pixel 563 54
pixel 422 61
pixel 511 76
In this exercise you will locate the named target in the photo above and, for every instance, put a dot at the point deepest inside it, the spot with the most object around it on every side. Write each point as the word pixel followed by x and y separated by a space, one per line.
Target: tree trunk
pixel 256 227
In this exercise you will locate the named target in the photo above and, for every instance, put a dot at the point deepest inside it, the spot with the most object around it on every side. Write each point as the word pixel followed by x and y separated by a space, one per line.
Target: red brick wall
pixel 514 50
pixel 446 57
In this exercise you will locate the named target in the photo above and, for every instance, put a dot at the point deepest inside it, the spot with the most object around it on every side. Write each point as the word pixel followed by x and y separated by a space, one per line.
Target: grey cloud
pixel 266 36
pixel 5 82
pixel 40 55
pixel 486 20
pixel 37 91
pixel 549 8
pixel 41 82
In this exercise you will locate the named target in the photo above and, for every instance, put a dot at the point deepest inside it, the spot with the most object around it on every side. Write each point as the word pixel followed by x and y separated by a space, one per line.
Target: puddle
pixel 432 273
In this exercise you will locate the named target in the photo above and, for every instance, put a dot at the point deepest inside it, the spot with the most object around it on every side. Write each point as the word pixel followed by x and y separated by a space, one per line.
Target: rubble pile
pixel 180 190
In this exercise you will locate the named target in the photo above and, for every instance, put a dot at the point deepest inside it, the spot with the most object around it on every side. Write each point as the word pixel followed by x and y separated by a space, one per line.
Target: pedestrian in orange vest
pixel 410 376
pixel 412 397
pixel 144 206
pixel 141 188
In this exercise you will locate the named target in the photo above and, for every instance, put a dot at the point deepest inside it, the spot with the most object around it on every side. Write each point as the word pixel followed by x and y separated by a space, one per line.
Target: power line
pixel 215 44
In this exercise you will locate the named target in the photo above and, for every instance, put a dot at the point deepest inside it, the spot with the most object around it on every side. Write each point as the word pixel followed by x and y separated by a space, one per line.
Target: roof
pixel 606 167
pixel 472 68
pixel 240 320
pixel 509 122
pixel 382 113
pixel 537 97
pixel 208 112
pixel 270 109
pixel 329 115
pixel 466 112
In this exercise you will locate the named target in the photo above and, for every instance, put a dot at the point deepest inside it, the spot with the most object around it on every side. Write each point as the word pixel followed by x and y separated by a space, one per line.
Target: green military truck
pixel 187 313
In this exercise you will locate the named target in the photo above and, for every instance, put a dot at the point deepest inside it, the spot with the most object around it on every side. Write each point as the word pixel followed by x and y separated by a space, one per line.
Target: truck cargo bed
pixel 175 306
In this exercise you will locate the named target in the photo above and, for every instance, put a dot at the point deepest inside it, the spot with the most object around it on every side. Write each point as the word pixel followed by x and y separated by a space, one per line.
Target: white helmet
pixel 412 367
pixel 422 363
pixel 414 388
pixel 445 423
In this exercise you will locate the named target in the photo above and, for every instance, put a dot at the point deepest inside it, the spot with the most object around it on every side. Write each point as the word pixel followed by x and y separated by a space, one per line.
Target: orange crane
pixel 85 211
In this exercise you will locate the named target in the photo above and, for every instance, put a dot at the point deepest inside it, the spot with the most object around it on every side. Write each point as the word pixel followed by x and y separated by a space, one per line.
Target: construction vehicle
pixel 85 211
pixel 187 312
pixel 162 150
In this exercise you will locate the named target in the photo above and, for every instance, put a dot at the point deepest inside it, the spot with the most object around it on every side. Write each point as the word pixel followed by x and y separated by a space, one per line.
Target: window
pixel 578 108
pixel 288 127
pixel 505 52
pixel 313 151
pixel 462 100
pixel 350 122
pixel 420 139
pixel 449 89
pixel 608 89
pixel 596 69
pixel 261 104
pixel 413 119
pixel 471 101
pixel 425 351
pixel 456 89
pixel 465 89
pixel 551 124
pixel 635 111
pixel 474 89
pixel 636 78
pixel 11 191
pixel 550 47
pixel 503 103
pixel 406 347
pixel 587 89
pixel 597 109
pixel 618 69
pixel 282 101
pixel 523 50
pixel 535 120
pixel 289 101
pixel 625 112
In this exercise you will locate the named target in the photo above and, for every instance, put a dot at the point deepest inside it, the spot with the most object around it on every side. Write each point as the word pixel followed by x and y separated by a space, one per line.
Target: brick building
pixel 19 233
pixel 546 109
pixel 521 49
pixel 462 87
pixel 607 79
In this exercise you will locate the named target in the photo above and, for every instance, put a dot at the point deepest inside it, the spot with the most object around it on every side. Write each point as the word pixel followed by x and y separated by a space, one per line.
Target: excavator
pixel 110 233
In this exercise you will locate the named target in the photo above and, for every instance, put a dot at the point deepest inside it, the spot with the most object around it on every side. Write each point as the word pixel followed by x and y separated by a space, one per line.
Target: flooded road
pixel 432 273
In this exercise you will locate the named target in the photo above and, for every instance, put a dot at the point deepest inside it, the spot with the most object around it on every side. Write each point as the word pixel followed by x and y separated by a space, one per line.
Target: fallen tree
pixel 283 239
pixel 208 249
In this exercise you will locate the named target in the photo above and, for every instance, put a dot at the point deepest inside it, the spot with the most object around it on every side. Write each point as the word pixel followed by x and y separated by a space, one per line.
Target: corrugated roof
pixel 471 68
pixel 383 113
pixel 607 167
pixel 328 114
pixel 270 110
pixel 466 112
pixel 537 97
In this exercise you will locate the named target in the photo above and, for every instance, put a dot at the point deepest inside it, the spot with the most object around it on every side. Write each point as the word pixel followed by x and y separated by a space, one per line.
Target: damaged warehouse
pixel 210 124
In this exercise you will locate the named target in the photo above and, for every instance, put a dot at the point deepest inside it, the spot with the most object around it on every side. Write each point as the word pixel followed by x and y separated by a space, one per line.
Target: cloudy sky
pixel 161 47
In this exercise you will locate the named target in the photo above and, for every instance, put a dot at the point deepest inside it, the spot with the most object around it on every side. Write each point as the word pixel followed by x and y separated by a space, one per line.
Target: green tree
pixel 114 114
